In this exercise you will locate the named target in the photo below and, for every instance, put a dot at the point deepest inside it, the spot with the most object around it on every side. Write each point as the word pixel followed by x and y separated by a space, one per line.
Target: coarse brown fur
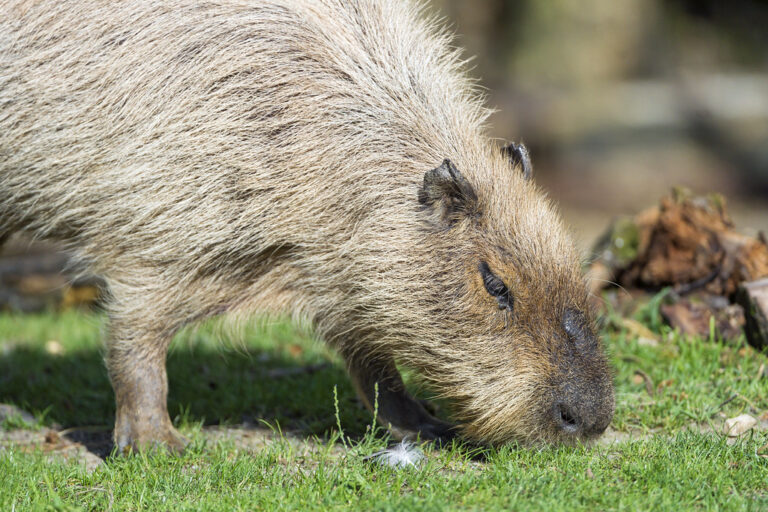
pixel 243 156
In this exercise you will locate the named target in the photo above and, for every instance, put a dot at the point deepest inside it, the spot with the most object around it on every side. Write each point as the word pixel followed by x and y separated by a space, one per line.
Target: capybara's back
pixel 322 158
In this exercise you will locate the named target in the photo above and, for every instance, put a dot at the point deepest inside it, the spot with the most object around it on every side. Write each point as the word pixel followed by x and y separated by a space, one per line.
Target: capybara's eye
pixel 496 287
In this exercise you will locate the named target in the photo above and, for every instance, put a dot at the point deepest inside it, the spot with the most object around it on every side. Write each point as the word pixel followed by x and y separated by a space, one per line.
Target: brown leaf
pixel 687 242
pixel 734 427
pixel 693 318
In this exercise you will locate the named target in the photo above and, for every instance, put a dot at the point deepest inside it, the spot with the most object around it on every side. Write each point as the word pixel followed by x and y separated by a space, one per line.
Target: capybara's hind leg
pixel 379 385
pixel 136 362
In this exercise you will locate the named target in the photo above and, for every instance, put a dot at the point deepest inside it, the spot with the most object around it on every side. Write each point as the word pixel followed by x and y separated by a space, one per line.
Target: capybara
pixel 326 159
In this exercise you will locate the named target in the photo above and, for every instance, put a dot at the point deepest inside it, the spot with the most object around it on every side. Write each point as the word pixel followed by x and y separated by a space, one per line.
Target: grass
pixel 260 378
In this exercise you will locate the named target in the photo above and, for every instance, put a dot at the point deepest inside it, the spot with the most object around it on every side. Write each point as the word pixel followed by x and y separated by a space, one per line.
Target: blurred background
pixel 618 101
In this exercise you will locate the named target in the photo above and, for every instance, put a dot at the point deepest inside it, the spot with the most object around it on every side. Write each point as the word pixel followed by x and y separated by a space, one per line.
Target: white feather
pixel 399 456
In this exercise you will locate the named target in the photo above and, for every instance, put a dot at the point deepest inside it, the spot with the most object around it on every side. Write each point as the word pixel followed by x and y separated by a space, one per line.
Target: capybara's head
pixel 511 333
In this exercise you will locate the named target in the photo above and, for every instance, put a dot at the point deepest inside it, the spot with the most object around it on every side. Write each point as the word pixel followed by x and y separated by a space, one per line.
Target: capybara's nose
pixel 570 421
pixel 567 419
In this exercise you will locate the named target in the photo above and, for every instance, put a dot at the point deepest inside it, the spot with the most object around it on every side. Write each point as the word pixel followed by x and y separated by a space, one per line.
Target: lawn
pixel 263 410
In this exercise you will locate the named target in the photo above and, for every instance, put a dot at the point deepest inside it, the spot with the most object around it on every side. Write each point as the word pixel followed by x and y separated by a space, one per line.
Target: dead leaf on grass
pixel 693 318
pixel 735 427
pixel 686 242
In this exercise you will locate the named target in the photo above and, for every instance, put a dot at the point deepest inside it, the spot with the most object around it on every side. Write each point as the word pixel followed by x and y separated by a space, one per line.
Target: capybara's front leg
pixel 379 385
pixel 136 363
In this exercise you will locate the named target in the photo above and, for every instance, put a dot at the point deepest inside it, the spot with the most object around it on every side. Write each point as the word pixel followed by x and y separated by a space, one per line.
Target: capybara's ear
pixel 517 154
pixel 446 188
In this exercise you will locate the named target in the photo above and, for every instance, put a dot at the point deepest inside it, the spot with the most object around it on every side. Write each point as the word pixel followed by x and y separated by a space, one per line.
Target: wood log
pixel 753 297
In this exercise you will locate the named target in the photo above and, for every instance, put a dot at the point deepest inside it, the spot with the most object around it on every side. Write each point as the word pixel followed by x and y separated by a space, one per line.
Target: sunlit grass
pixel 257 377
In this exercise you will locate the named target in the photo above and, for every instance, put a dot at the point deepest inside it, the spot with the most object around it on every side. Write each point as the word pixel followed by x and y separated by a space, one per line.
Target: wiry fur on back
pixel 235 155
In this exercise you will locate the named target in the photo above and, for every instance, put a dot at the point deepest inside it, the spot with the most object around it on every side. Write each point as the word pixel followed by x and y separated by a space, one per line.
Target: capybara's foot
pixel 143 435
pixel 136 362
pixel 380 387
